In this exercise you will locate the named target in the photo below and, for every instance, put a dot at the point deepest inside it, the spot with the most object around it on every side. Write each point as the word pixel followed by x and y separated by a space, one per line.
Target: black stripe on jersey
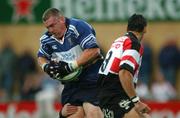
pixel 136 45
pixel 135 42
pixel 127 67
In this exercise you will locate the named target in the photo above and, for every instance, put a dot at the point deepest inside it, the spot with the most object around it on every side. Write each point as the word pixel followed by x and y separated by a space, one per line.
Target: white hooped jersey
pixel 125 53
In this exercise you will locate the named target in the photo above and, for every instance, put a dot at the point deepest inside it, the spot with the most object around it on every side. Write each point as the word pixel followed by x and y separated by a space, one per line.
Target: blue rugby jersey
pixel 78 36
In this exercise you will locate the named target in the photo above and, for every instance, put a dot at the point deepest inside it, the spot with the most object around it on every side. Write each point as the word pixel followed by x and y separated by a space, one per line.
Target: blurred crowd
pixel 22 79
pixel 159 74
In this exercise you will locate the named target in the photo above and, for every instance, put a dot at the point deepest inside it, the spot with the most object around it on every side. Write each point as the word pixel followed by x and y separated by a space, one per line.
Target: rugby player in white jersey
pixel 119 74
pixel 71 43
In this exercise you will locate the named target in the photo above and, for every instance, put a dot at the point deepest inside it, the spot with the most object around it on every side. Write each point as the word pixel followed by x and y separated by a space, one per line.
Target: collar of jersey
pixel 62 40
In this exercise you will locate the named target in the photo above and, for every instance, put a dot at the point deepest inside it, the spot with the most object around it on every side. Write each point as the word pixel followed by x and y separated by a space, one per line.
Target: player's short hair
pixel 51 12
pixel 137 23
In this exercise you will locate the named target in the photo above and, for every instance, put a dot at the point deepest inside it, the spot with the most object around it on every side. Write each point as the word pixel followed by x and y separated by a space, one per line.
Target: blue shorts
pixel 77 94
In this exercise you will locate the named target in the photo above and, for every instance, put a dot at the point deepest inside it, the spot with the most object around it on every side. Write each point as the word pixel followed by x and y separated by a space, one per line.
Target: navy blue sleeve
pixel 44 50
pixel 86 38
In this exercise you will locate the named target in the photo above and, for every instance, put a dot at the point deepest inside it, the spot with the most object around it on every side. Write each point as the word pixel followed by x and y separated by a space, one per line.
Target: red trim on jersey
pixel 127 44
pixel 115 65
pixel 131 59
pixel 141 51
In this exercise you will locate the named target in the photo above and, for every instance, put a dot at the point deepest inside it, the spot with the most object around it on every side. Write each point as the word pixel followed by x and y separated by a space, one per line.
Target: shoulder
pixel 133 45
pixel 75 21
pixel 131 42
pixel 78 23
pixel 45 36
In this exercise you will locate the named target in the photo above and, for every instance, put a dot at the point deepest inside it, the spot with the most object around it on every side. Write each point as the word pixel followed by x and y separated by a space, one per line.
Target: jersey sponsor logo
pixel 108 113
pixel 54 47
pixel 124 104
pixel 69 55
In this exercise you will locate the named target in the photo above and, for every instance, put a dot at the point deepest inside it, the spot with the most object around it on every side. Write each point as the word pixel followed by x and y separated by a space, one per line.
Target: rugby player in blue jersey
pixel 70 44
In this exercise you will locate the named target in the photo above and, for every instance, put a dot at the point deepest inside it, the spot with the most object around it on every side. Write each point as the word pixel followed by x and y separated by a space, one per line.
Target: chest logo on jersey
pixel 54 47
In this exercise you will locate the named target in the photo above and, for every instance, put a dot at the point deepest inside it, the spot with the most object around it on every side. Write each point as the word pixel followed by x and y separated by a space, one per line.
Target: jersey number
pixel 105 63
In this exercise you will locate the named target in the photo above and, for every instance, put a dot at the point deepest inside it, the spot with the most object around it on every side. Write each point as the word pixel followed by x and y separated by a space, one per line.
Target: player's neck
pixel 137 34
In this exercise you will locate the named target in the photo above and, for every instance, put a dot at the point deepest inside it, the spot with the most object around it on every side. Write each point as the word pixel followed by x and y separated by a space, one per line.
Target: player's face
pixel 56 26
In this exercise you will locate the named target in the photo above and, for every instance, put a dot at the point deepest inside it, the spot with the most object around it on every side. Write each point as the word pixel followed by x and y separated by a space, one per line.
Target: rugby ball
pixel 71 77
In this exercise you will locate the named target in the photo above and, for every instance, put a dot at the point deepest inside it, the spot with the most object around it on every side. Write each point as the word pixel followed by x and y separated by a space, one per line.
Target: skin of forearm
pixel 87 56
pixel 42 60
pixel 126 80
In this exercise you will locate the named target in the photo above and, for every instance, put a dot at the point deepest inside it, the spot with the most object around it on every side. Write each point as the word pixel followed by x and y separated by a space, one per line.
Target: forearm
pixel 126 80
pixel 87 56
pixel 42 61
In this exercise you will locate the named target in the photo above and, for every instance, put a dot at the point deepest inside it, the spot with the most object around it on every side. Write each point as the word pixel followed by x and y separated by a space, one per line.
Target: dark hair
pixel 136 23
pixel 51 12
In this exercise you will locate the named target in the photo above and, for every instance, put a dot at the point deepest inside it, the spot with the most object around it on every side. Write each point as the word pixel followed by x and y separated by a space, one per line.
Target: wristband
pixel 135 99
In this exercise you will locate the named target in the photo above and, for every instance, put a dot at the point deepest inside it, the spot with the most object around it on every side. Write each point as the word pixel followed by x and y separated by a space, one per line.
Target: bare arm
pixel 126 79
pixel 42 60
pixel 87 56
pixel 68 109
